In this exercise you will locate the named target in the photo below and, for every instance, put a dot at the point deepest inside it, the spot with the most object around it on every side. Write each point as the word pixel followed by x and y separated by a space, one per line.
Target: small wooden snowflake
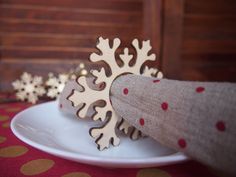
pixel 29 88
pixel 56 85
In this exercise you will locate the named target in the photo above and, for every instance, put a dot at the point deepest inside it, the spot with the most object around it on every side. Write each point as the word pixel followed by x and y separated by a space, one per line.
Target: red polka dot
pixel 61 106
pixel 125 91
pixel 156 81
pixel 200 89
pixel 220 125
pixel 141 121
pixel 182 143
pixel 164 106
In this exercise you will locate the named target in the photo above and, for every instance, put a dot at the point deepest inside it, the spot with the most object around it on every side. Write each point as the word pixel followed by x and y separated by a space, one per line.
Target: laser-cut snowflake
pixel 56 84
pixel 106 134
pixel 29 88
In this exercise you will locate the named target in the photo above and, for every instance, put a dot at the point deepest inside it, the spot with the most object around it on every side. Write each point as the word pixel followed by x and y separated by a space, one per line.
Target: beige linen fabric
pixel 197 118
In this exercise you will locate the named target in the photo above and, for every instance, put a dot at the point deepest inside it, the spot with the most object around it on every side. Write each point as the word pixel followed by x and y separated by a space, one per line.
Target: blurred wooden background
pixel 193 39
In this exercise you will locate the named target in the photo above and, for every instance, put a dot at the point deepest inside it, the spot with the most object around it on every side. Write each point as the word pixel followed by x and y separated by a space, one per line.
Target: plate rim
pixel 95 160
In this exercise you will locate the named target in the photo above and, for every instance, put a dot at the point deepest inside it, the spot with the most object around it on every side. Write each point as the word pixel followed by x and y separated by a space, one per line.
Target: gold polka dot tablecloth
pixel 19 159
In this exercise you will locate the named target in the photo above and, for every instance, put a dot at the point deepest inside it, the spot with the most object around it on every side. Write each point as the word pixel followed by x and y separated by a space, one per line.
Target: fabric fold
pixel 197 118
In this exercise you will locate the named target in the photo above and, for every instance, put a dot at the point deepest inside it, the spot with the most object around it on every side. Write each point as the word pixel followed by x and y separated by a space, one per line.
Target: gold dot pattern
pixel 6 125
pixel 152 172
pixel 77 174
pixel 13 109
pixel 36 167
pixel 2 139
pixel 3 118
pixel 13 151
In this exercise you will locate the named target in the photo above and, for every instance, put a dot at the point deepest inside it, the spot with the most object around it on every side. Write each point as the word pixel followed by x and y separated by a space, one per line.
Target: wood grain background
pixel 194 40
pixel 209 40
pixel 56 35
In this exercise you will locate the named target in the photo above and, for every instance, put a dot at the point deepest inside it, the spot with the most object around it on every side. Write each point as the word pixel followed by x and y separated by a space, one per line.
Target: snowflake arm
pixel 26 77
pixel 87 99
pixel 100 113
pixel 152 72
pixel 142 53
pixel 17 85
pixel 126 127
pixel 106 135
pixel 100 75
pixel 125 57
pixel 108 53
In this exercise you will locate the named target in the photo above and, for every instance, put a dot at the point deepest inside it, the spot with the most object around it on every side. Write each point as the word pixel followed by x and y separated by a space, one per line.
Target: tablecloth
pixel 20 159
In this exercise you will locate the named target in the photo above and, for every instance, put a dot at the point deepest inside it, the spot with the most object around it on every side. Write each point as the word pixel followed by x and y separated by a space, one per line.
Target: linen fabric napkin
pixel 197 118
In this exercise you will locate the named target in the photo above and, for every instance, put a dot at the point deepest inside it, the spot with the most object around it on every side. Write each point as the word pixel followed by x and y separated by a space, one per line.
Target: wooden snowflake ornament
pixel 56 85
pixel 106 134
pixel 29 88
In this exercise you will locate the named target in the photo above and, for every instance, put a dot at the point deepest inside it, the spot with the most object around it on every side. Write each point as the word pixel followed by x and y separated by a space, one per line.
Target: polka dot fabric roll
pixel 198 118
pixel 20 160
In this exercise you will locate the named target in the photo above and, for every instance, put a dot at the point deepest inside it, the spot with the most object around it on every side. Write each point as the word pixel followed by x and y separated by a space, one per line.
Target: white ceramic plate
pixel 46 128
